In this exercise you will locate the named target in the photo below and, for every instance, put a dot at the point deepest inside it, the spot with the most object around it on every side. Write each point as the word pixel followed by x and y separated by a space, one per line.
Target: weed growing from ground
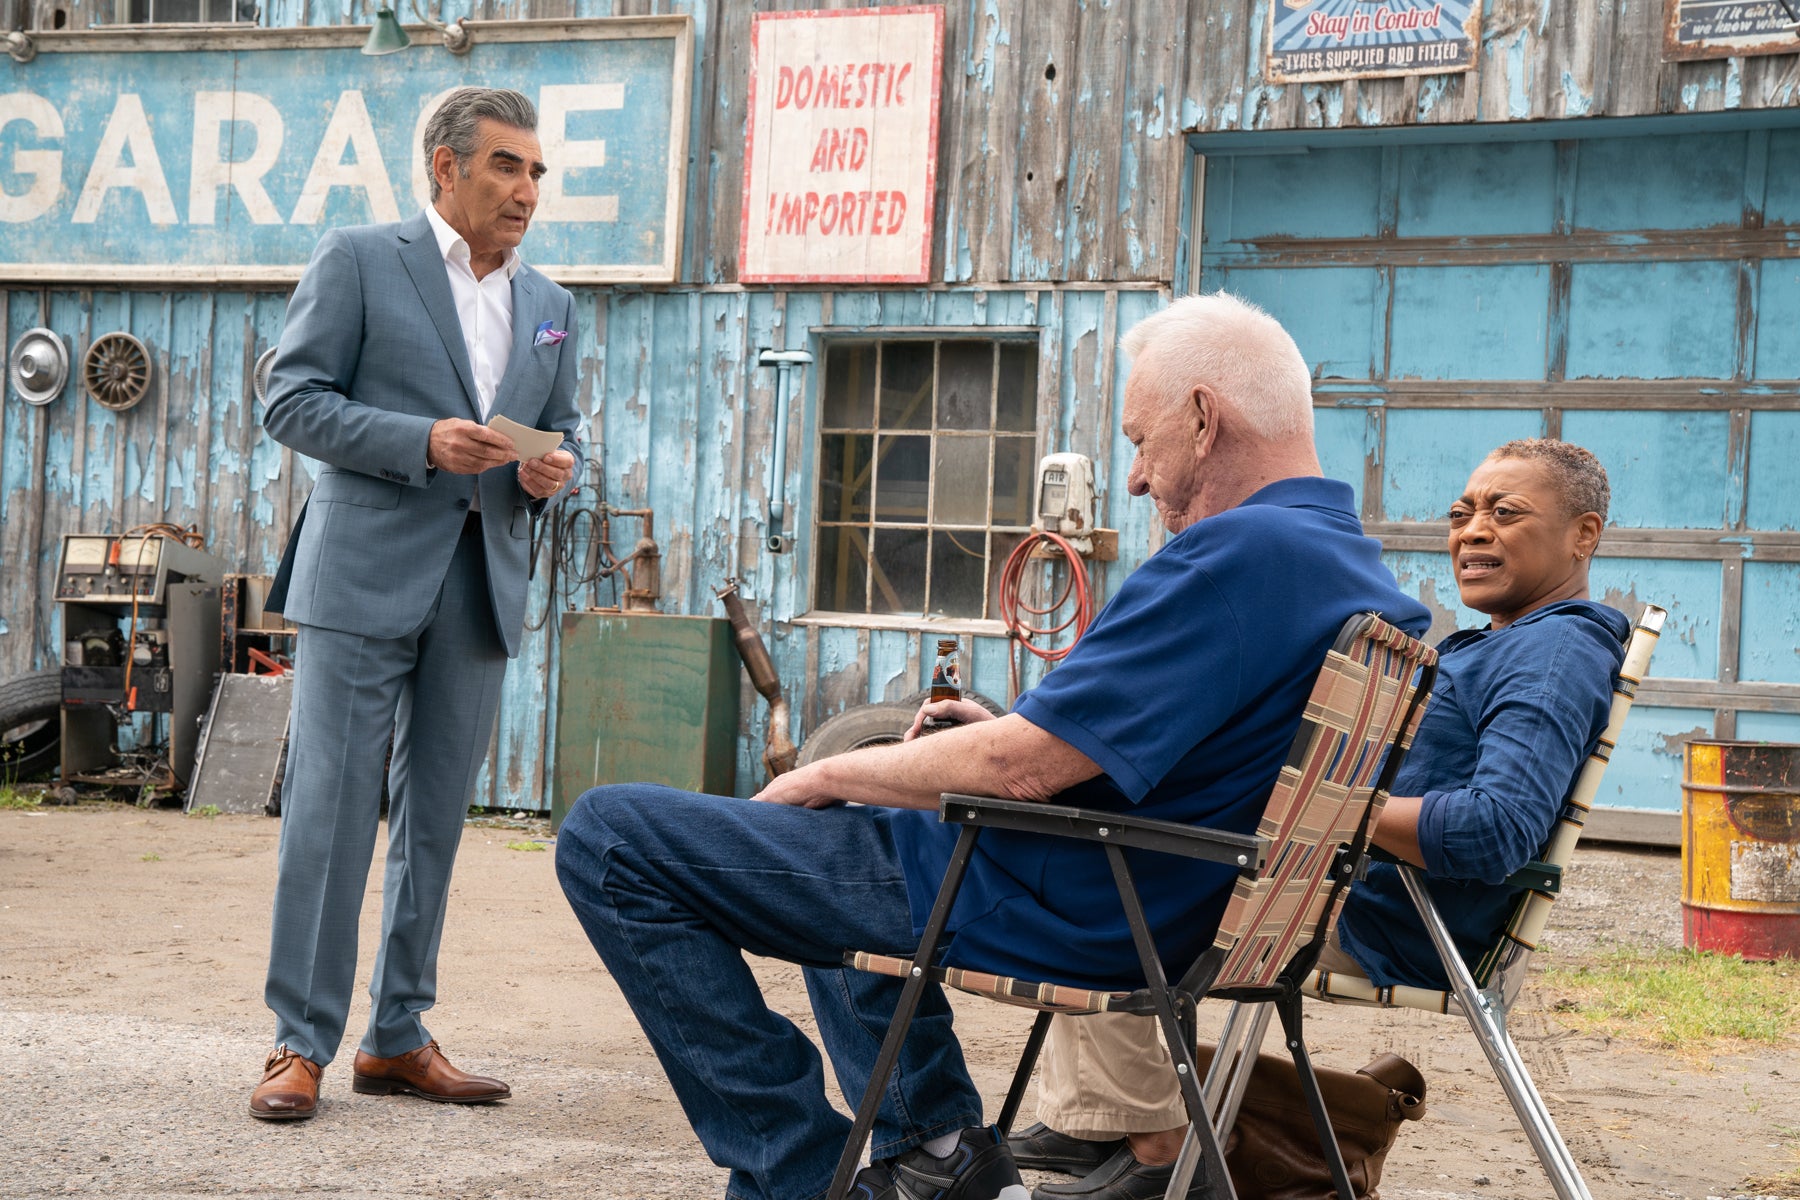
pixel 1687 1000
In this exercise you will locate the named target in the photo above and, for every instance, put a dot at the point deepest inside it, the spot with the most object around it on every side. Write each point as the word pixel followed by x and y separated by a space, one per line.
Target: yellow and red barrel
pixel 1740 848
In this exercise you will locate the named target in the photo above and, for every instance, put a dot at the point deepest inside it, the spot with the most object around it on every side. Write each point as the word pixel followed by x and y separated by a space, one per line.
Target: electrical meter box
pixel 644 698
pixel 1065 499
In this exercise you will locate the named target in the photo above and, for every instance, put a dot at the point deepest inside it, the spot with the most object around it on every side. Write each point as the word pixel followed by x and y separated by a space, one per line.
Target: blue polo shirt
pixel 1513 715
pixel 1186 691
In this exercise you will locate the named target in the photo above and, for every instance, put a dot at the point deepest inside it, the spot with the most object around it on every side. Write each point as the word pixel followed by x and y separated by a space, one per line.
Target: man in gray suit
pixel 407 577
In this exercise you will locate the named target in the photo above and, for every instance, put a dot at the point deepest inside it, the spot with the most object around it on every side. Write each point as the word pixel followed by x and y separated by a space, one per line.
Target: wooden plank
pixel 723 158
pixel 953 116
pixel 1047 60
pixel 696 245
pixel 181 467
pixel 994 75
pixel 1154 154
pixel 1096 125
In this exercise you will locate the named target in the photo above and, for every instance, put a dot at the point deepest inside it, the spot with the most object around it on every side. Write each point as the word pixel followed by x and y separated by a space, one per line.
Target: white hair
pixel 1236 349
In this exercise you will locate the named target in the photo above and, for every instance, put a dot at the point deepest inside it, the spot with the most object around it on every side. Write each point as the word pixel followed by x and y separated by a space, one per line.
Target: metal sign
pixel 1370 39
pixel 219 156
pixel 1727 28
pixel 840 172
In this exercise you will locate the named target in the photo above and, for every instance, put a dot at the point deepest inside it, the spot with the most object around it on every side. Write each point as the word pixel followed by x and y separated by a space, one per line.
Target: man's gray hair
pixel 1236 349
pixel 455 124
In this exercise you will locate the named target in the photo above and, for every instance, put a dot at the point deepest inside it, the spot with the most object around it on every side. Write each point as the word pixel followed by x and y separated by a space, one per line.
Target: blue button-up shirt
pixel 1514 714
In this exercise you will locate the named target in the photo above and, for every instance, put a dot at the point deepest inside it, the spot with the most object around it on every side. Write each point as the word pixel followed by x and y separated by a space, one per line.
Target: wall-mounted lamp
pixel 386 35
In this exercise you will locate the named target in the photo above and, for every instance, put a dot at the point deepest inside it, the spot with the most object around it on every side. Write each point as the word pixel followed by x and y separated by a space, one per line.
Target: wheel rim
pixel 27 738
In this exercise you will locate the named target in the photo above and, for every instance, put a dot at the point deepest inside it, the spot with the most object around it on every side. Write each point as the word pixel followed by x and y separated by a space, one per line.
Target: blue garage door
pixel 1637 294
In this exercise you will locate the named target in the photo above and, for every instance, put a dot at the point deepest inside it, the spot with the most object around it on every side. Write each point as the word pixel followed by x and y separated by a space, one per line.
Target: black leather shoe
pixel 1041 1148
pixel 1122 1177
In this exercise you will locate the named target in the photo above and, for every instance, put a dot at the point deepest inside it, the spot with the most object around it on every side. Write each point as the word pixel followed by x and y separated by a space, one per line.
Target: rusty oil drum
pixel 1740 848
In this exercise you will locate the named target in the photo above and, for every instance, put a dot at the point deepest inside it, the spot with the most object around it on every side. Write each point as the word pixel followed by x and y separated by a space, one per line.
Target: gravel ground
pixel 131 1031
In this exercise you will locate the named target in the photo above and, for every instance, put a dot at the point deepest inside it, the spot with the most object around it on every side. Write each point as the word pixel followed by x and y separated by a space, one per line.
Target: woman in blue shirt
pixel 1518 706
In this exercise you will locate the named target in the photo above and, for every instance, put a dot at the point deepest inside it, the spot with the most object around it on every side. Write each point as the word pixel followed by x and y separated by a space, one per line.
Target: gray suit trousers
pixel 438 689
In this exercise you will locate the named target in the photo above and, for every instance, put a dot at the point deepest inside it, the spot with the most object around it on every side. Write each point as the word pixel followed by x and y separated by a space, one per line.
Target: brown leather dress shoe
pixel 289 1090
pixel 424 1073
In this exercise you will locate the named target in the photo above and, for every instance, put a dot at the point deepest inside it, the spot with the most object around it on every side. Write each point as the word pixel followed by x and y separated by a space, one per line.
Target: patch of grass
pixel 1686 1000
pixel 528 847
pixel 20 798
pixel 206 812
pixel 1783 1186
pixel 151 857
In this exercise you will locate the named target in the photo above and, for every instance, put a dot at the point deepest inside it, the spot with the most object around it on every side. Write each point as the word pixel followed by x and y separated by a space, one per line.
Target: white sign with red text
pixel 840 169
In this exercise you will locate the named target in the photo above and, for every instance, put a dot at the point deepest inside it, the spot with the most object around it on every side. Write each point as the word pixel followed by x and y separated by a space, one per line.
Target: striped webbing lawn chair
pixel 1292 876
pixel 1485 995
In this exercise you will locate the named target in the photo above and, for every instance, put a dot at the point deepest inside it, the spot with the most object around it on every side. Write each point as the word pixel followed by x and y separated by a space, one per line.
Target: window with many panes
pixel 927 454
pixel 173 12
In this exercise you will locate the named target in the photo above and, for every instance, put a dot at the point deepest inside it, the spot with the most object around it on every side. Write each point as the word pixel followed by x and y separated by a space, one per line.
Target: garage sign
pixel 221 156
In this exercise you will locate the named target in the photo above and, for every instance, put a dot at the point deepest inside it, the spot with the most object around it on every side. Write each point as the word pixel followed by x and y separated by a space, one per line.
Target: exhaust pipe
pixel 779 752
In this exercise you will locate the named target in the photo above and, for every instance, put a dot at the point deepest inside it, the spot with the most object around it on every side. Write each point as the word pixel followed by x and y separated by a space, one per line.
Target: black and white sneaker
pixel 979 1167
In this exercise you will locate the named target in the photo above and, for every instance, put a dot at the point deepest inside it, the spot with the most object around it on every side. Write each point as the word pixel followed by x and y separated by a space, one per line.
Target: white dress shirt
pixel 483 309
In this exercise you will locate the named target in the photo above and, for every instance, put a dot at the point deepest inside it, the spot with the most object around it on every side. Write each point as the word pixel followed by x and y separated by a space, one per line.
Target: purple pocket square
pixel 547 336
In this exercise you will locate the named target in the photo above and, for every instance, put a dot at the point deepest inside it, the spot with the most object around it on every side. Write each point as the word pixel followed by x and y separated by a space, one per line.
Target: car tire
pixel 30 726
pixel 855 728
pixel 917 698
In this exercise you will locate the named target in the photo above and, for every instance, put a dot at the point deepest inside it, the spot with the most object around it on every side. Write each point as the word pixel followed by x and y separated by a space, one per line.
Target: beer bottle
pixel 946 682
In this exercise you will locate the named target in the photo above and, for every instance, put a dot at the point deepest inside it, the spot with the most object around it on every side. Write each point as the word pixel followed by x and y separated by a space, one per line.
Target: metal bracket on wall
pixel 785 363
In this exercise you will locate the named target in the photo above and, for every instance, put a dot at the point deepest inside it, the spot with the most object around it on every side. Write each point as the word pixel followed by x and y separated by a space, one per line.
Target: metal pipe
pixel 784 362
pixel 779 752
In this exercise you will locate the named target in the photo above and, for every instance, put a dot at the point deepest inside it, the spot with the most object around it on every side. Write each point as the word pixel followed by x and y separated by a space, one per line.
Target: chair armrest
pixel 1244 851
pixel 1538 876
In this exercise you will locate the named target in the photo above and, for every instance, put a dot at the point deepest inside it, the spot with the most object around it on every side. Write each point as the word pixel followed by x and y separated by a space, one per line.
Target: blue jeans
pixel 674 888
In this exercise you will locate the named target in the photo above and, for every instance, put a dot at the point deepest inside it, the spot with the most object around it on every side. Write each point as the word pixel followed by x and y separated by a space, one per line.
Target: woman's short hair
pixel 1239 351
pixel 1578 474
pixel 456 124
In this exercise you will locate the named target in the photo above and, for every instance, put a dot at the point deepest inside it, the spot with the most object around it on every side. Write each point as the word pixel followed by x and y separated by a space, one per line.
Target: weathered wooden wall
pixel 1540 60
pixel 680 421
pixel 1061 168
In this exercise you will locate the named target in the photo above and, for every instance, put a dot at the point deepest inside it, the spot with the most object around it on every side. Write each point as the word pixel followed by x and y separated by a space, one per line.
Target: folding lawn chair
pixel 1484 996
pixel 1292 875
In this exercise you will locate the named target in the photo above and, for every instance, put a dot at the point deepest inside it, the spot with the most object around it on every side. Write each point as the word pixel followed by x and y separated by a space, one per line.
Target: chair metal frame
pixel 1485 995
pixel 1254 956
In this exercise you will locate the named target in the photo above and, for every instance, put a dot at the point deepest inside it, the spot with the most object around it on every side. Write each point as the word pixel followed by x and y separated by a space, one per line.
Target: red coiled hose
pixel 1013 610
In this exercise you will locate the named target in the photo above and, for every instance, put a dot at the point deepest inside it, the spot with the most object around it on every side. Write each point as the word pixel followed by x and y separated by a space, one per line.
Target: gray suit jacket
pixel 371 357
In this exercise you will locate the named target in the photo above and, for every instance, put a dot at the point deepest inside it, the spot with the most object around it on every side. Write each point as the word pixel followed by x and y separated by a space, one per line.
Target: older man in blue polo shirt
pixel 1179 704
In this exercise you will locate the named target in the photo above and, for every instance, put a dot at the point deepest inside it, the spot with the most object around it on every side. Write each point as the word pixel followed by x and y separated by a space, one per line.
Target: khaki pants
pixel 1104 1076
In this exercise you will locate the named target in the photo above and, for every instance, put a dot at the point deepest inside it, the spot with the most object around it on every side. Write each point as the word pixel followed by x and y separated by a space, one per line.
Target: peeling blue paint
pixel 1518 78
pixel 1576 103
